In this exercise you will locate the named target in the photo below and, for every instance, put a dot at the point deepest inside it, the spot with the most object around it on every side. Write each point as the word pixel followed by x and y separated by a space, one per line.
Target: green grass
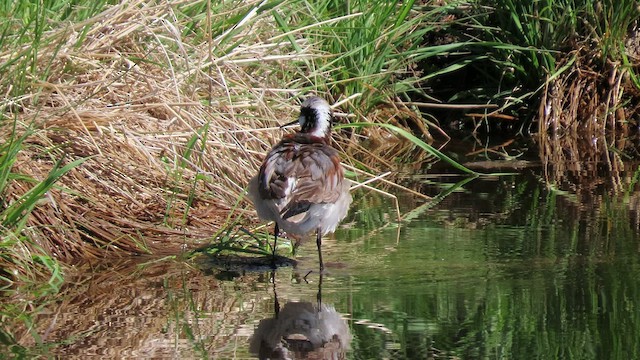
pixel 25 266
pixel 26 33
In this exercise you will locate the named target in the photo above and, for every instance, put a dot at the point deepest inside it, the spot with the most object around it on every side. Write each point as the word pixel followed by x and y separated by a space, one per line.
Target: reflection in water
pixel 301 330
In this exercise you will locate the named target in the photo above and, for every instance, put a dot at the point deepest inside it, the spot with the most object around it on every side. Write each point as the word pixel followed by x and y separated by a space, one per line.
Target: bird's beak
pixel 289 124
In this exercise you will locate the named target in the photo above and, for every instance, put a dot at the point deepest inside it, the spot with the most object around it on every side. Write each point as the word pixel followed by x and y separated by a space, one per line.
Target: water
pixel 504 267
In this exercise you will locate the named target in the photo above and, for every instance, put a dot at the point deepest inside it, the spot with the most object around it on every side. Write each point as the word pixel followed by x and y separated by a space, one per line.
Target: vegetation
pixel 132 127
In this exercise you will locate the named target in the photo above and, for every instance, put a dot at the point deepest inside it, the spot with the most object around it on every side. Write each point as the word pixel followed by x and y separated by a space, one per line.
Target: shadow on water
pixel 503 267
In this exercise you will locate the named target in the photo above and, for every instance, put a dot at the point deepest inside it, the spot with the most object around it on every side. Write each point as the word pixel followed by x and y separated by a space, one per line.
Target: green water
pixel 507 268
pixel 503 268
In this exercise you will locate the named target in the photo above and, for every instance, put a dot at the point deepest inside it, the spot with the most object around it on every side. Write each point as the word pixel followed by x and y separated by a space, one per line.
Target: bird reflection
pixel 301 330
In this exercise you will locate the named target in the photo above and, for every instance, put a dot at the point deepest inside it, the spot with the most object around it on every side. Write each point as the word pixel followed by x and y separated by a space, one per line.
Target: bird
pixel 301 185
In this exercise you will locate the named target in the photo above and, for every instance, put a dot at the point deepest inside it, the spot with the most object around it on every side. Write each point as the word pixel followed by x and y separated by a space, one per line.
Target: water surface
pixel 504 267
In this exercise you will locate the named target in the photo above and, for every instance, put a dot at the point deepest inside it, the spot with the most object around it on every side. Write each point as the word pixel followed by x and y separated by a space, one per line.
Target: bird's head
pixel 315 118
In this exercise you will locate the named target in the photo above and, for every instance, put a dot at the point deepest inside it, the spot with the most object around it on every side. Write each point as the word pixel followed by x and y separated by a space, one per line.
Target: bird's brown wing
pixel 300 173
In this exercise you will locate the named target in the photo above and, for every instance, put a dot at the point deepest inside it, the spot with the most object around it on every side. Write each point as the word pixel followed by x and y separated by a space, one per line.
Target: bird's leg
pixel 276 231
pixel 319 243
pixel 319 295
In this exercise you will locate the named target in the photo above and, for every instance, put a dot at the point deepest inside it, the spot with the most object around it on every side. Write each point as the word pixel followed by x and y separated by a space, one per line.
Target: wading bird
pixel 301 184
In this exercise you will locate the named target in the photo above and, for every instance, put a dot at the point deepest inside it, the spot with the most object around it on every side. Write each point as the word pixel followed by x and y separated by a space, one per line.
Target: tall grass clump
pixel 26 59
pixel 26 267
pixel 521 55
pixel 369 46
pixel 27 54
pixel 106 83
pixel 564 70
pixel 575 40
